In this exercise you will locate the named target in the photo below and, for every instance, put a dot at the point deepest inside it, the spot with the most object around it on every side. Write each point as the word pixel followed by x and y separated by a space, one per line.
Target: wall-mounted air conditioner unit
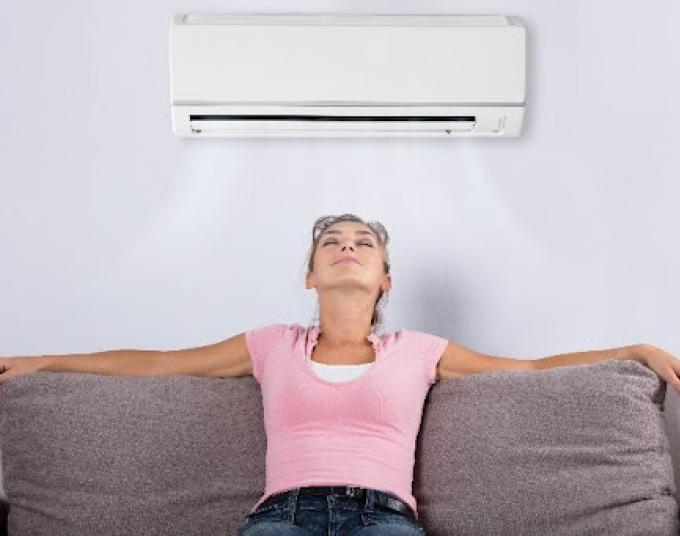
pixel 347 75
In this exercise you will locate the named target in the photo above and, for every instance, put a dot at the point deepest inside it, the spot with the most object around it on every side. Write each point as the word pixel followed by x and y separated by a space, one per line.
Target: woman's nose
pixel 347 246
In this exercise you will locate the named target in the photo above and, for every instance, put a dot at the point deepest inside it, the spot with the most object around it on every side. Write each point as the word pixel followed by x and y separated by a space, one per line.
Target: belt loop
pixel 370 498
pixel 292 503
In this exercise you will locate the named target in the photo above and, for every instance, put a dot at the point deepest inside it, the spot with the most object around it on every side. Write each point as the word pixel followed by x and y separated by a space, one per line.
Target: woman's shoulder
pixel 296 330
pixel 275 329
pixel 418 336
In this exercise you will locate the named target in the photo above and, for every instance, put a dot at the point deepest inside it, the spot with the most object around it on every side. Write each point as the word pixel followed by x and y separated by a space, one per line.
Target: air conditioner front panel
pixel 323 62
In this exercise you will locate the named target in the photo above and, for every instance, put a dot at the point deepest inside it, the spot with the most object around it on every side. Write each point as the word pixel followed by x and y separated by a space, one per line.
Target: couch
pixel 572 450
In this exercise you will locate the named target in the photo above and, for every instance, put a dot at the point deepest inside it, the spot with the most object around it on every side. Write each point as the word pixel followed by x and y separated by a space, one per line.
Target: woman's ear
pixel 388 284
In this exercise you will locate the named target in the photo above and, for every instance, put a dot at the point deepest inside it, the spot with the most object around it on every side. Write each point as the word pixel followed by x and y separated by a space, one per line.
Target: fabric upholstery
pixel 567 450
pixel 561 451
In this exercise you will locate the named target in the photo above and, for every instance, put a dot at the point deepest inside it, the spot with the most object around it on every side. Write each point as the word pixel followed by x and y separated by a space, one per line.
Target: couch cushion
pixel 103 455
pixel 561 451
pixel 568 450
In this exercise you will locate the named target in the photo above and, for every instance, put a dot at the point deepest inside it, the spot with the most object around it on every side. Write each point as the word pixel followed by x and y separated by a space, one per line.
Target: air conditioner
pixel 347 75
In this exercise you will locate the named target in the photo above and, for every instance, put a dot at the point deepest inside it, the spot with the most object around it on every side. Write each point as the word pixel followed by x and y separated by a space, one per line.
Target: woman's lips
pixel 346 260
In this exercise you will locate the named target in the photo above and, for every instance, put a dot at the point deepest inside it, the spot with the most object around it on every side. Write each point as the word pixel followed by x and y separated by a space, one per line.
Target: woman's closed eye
pixel 360 243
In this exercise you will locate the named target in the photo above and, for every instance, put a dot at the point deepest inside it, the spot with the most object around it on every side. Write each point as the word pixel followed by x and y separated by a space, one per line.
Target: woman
pixel 342 403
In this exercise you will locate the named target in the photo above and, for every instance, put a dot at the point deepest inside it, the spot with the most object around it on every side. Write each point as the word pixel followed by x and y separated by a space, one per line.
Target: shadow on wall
pixel 437 303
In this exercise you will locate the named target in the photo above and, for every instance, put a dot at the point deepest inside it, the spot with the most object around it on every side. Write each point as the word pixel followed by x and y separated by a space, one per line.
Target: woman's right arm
pixel 224 359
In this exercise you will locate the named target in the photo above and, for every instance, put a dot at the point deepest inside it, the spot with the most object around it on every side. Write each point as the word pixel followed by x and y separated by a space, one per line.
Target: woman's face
pixel 332 265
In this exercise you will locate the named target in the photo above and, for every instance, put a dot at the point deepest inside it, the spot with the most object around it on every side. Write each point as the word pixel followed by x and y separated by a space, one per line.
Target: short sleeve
pixel 260 341
pixel 430 349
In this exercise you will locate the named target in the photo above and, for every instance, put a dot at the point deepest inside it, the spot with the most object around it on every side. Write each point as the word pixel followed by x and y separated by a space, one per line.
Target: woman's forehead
pixel 356 228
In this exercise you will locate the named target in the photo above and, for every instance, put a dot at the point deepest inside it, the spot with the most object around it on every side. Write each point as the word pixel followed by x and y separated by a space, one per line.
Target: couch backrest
pixel 569 449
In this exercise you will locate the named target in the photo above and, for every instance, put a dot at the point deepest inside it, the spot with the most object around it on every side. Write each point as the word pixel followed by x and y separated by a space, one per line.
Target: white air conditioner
pixel 347 75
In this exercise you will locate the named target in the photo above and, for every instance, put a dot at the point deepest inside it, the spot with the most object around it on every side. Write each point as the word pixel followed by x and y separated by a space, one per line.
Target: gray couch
pixel 564 451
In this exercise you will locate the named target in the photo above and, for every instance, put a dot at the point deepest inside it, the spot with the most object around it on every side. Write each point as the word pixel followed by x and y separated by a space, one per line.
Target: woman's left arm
pixel 664 364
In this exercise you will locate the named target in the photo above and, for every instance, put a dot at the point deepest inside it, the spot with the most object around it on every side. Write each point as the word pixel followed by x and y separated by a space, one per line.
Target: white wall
pixel 116 234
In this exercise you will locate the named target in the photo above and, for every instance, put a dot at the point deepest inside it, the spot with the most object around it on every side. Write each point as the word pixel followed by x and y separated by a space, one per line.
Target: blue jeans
pixel 331 514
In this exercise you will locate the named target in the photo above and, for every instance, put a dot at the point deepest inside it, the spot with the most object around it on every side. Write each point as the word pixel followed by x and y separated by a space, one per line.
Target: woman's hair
pixel 324 222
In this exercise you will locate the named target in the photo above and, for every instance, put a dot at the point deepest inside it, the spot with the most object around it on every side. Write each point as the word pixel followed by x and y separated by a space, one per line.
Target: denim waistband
pixel 383 498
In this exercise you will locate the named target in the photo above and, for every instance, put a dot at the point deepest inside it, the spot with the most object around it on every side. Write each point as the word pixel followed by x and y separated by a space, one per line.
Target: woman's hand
pixel 664 364
pixel 17 366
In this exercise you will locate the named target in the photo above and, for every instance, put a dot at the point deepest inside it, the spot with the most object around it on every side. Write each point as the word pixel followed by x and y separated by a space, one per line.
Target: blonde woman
pixel 342 402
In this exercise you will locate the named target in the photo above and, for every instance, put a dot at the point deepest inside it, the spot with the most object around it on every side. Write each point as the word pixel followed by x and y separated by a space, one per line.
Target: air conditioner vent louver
pixel 369 118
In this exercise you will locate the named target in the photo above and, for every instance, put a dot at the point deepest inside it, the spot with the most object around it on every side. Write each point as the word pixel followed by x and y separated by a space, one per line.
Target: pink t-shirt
pixel 360 432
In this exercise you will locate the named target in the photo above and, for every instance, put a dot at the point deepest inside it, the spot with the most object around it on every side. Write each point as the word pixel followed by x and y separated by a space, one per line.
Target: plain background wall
pixel 115 234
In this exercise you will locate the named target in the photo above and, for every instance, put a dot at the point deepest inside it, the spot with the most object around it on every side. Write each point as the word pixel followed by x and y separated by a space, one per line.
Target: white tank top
pixel 340 373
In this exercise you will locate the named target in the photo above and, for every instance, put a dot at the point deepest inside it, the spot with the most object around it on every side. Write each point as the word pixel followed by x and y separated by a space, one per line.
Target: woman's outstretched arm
pixel 634 351
pixel 666 365
pixel 224 359
pixel 458 361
